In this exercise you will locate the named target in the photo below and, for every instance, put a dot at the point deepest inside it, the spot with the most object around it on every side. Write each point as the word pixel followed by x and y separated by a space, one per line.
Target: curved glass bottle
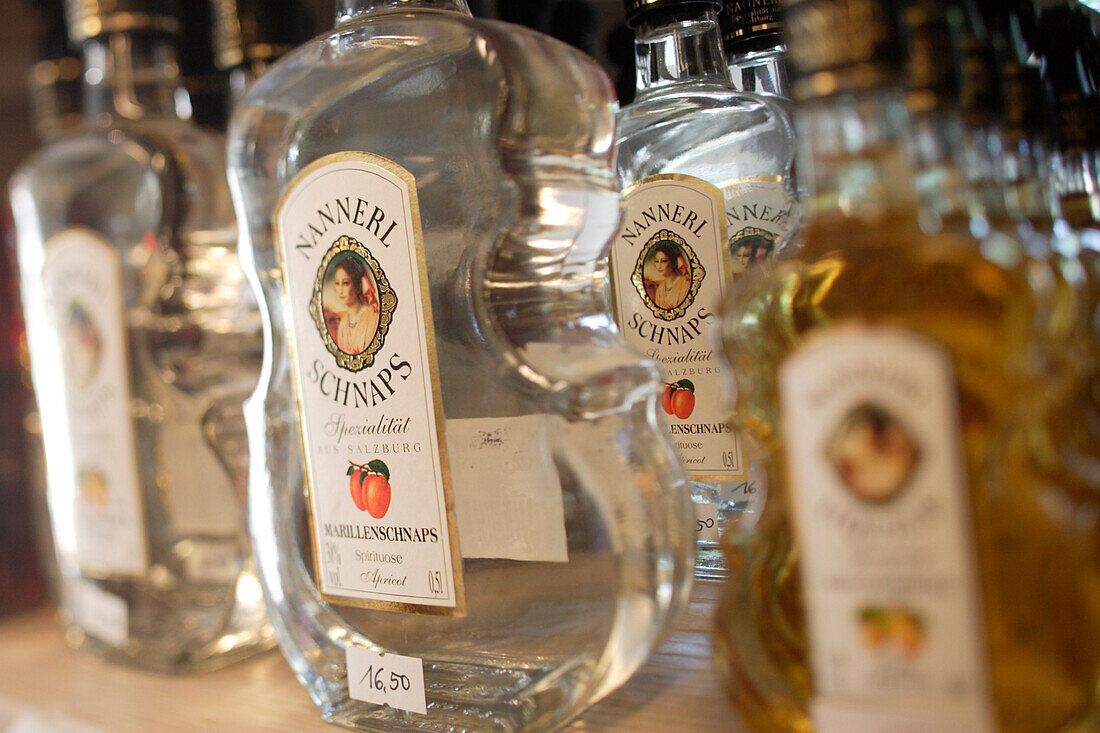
pixel 564 510
pixel 143 346
pixel 1071 67
pixel 903 570
pixel 690 139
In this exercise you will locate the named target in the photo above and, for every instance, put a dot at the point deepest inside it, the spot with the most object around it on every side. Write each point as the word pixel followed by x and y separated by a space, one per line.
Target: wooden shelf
pixel 47 687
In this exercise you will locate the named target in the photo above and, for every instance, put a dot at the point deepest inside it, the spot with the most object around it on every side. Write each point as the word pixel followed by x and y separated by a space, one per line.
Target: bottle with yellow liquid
pixel 908 572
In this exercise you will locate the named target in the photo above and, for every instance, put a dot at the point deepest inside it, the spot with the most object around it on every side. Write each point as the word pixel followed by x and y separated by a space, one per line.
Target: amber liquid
pixel 1036 543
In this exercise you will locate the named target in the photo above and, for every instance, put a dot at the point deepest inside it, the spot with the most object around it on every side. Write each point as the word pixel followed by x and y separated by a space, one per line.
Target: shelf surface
pixel 47 687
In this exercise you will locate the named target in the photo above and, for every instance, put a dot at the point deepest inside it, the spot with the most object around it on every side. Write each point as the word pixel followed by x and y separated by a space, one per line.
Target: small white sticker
pixel 706 522
pixel 387 679
pixel 212 561
pixel 493 456
pixel 101 614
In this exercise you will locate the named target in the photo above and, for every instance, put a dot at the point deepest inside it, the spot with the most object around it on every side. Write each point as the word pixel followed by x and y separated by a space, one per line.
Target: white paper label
pixel 101 614
pixel 89 438
pixel 669 269
pixel 386 679
pixel 883 517
pixel 516 511
pixel 761 215
pixel 359 318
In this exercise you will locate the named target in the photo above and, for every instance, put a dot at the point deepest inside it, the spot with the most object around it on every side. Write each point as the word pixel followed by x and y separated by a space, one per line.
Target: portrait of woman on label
pixel 750 247
pixel 353 304
pixel 667 275
pixel 81 346
pixel 873 453
pixel 350 303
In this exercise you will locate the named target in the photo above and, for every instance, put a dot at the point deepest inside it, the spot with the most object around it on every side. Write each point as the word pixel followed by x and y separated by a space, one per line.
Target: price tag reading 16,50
pixel 386 679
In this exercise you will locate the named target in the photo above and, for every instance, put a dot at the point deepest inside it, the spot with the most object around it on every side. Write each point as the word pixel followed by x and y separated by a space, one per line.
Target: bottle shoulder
pixel 413 101
pixel 118 180
pixel 950 286
pixel 710 131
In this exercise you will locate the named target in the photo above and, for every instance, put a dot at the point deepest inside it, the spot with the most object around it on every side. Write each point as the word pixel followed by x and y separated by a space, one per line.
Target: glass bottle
pixel 903 574
pixel 1072 67
pixel 705 172
pixel 143 340
pixel 456 461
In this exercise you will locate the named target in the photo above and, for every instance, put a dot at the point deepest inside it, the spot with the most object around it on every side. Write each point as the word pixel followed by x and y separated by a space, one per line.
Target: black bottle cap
pixel 841 46
pixel 636 9
pixel 91 18
pixel 257 30
pixel 750 25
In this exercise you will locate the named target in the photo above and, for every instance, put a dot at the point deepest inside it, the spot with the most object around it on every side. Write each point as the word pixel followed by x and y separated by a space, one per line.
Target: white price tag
pixel 706 522
pixel 101 614
pixel 387 679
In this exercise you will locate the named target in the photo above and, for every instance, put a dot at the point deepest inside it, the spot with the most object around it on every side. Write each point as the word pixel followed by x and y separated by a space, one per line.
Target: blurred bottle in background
pixel 144 340
pixel 705 171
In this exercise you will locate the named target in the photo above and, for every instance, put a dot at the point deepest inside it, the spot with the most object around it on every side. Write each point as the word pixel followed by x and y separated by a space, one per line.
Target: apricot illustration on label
pixel 895 629
pixel 678 398
pixel 370 487
pixel 93 486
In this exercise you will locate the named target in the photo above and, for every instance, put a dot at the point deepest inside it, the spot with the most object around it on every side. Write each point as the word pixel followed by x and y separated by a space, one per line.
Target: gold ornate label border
pixel 698 273
pixel 387 303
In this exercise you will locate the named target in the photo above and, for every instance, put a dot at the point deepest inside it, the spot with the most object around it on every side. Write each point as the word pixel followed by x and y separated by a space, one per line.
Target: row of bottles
pixel 425 370
pixel 916 374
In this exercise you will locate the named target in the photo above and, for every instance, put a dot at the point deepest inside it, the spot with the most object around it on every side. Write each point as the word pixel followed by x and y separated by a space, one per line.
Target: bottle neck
pixel 56 87
pixel 935 147
pixel 761 72
pixel 1026 179
pixel 348 10
pixel 853 152
pixel 685 48
pixel 133 76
